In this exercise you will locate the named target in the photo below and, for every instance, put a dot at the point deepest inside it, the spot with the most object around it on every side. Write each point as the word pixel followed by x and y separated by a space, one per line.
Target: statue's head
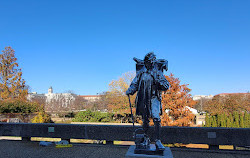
pixel 149 59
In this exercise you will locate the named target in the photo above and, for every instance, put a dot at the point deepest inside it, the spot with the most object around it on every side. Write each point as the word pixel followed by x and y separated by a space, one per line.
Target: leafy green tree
pixel 19 106
pixel 207 121
pixel 241 120
pixel 246 120
pixel 231 120
pixel 214 121
pixel 224 120
pixel 219 120
pixel 236 119
pixel 228 122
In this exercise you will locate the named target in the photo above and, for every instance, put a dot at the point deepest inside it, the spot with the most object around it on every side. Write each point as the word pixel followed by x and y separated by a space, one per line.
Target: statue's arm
pixel 133 86
pixel 163 83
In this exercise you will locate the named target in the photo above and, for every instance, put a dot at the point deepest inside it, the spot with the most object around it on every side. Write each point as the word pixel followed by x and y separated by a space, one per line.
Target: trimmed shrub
pixel 91 116
pixel 42 117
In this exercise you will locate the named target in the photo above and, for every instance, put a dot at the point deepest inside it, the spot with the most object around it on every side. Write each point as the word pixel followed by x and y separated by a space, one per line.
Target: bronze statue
pixel 149 84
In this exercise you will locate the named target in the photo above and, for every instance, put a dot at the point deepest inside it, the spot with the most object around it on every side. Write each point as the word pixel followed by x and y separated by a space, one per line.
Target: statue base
pixel 149 153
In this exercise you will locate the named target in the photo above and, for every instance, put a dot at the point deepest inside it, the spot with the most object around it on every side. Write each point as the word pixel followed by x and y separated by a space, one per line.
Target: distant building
pixel 54 101
pixel 34 95
pixel 193 111
pixel 200 120
pixel 90 98
pixel 199 97
pixel 58 102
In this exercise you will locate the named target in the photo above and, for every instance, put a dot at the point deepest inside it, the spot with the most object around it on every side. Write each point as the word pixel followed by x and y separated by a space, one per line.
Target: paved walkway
pixel 22 149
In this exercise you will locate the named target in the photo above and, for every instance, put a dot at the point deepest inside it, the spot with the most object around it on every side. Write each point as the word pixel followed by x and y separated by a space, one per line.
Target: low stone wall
pixel 213 136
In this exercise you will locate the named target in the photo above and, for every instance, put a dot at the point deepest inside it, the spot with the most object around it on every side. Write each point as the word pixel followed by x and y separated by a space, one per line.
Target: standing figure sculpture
pixel 149 84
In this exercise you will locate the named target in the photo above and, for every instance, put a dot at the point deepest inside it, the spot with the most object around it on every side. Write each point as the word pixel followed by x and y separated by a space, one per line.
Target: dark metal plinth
pixel 152 153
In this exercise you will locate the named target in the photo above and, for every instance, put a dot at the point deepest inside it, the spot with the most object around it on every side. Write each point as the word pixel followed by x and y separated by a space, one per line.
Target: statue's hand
pixel 157 81
pixel 159 77
pixel 128 92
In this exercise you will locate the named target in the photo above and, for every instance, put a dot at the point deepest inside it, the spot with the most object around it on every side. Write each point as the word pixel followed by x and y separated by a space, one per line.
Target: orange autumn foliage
pixel 12 86
pixel 176 101
pixel 220 104
pixel 116 96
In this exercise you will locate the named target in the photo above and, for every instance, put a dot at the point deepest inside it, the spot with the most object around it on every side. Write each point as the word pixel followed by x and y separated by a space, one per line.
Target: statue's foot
pixel 159 145
pixel 147 142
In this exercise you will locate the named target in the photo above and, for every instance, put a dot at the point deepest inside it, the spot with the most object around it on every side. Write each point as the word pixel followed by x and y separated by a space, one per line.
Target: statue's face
pixel 148 64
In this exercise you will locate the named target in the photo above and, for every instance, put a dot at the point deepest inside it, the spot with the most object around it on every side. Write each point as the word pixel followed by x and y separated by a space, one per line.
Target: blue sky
pixel 83 45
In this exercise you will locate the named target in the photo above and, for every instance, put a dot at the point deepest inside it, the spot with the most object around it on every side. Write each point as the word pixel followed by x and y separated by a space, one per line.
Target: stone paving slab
pixel 24 149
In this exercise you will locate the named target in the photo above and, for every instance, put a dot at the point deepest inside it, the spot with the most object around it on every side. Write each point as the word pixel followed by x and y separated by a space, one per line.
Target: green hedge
pixel 18 106
pixel 93 116
pixel 236 120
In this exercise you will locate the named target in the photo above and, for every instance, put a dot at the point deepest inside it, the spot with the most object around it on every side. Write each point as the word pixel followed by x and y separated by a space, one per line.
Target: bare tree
pixel 99 104
pixel 78 103
pixel 201 104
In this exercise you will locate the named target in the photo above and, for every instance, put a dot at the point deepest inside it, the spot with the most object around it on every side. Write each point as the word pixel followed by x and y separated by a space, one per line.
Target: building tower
pixel 50 90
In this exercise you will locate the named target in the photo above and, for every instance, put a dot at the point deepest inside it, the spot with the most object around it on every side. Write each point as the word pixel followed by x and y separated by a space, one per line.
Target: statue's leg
pixel 157 128
pixel 145 125
pixel 157 123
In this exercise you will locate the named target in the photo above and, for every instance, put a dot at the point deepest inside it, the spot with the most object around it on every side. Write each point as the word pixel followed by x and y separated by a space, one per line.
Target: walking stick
pixel 131 112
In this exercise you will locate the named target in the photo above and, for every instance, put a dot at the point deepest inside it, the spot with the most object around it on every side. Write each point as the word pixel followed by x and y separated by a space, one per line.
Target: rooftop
pixel 89 96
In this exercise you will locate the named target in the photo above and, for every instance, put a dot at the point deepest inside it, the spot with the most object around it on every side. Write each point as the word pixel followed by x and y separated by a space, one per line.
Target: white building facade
pixel 199 97
pixel 54 101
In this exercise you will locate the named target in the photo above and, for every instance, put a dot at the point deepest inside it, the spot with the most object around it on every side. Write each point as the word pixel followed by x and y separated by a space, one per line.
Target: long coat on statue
pixel 149 85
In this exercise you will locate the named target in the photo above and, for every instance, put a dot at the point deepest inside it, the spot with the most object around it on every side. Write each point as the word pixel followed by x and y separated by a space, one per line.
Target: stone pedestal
pixel 131 153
